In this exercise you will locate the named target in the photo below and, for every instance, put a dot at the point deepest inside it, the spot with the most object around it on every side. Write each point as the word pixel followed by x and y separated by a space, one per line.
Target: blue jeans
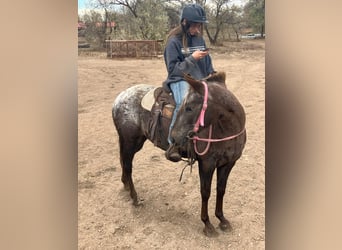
pixel 179 91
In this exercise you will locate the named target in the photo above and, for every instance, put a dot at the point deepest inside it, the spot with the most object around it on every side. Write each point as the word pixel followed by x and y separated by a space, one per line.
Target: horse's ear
pixel 195 84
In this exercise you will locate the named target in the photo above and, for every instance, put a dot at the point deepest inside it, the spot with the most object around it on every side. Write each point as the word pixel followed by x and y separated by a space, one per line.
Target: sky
pixel 81 4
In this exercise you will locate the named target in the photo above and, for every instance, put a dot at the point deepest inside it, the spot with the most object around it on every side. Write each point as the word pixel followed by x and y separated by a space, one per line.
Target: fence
pixel 134 48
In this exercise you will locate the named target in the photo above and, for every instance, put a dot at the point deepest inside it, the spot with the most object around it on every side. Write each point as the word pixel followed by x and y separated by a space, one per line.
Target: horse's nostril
pixel 190 134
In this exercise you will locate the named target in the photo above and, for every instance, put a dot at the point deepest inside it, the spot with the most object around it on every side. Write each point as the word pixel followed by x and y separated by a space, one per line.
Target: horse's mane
pixel 219 77
pixel 216 77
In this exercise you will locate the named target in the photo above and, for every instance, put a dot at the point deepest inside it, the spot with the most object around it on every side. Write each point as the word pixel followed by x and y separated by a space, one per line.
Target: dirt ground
pixel 170 215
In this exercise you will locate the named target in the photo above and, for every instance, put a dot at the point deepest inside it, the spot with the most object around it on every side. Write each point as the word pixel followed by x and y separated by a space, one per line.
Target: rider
pixel 185 53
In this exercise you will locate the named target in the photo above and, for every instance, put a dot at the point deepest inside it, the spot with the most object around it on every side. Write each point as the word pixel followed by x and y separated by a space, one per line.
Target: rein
pixel 200 122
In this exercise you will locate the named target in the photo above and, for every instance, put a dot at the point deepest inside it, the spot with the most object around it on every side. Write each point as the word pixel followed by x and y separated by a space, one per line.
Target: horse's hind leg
pixel 128 148
pixel 222 177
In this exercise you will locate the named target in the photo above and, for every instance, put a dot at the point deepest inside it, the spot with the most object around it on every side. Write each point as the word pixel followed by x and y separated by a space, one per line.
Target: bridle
pixel 200 122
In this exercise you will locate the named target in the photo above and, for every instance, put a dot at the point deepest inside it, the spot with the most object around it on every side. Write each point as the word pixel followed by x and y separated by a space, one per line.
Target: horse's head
pixel 223 110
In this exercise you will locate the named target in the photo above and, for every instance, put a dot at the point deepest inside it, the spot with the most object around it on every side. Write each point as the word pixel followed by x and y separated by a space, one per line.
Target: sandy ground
pixel 170 216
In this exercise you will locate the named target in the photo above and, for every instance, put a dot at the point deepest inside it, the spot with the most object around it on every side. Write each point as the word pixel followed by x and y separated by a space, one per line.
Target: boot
pixel 172 154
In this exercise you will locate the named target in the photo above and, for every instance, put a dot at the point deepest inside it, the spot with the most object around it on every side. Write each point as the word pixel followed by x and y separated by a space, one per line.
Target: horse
pixel 209 129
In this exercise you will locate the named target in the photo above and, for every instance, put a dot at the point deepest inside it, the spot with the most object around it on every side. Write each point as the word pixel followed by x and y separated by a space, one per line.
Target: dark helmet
pixel 194 13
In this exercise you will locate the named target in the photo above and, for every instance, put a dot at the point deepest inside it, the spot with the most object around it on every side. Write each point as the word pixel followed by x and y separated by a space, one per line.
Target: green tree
pixel 234 22
pixel 93 33
pixel 254 11
pixel 217 13
pixel 152 19
pixel 144 19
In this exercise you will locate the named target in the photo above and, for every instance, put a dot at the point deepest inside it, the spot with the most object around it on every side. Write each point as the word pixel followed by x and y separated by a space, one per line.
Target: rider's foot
pixel 172 154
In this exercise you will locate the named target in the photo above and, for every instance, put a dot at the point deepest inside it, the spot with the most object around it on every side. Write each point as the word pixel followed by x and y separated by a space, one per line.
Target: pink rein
pixel 200 122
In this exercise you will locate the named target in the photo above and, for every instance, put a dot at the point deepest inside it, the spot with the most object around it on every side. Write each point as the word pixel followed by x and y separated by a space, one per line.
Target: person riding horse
pixel 185 53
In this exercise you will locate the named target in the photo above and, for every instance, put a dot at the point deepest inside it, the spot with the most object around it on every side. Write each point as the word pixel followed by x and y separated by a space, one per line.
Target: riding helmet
pixel 194 13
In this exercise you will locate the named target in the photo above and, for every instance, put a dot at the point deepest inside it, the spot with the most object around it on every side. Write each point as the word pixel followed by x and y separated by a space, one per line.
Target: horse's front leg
pixel 222 177
pixel 206 174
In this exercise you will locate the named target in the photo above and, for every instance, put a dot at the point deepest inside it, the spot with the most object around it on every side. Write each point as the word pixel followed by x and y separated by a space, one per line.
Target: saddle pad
pixel 148 100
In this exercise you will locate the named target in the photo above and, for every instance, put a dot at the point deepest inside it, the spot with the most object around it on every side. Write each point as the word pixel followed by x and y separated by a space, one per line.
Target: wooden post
pixel 111 49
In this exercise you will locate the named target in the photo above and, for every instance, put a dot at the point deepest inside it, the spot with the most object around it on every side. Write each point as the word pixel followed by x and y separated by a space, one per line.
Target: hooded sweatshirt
pixel 179 62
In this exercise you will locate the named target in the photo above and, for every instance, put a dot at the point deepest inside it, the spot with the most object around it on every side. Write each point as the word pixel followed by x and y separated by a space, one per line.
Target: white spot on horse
pixel 127 103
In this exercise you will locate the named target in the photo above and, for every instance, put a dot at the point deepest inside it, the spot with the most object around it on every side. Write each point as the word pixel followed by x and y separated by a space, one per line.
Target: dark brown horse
pixel 211 121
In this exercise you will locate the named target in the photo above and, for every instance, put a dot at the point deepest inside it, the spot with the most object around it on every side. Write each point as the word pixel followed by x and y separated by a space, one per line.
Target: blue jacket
pixel 178 61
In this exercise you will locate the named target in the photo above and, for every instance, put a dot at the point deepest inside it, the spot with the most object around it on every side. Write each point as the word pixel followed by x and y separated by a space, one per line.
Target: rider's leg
pixel 179 91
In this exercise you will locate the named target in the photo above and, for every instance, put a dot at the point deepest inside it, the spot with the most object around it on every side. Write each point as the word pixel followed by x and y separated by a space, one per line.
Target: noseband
pixel 200 122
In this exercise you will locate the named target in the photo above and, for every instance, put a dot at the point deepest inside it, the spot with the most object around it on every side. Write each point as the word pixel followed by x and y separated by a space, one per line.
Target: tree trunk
pixel 211 40
pixel 216 35
pixel 237 34
pixel 262 30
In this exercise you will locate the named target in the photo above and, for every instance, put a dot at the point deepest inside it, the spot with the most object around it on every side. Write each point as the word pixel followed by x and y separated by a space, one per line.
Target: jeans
pixel 179 91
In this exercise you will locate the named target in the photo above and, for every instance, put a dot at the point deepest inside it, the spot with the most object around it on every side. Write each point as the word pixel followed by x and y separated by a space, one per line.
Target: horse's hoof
pixel 138 202
pixel 225 226
pixel 210 231
pixel 125 184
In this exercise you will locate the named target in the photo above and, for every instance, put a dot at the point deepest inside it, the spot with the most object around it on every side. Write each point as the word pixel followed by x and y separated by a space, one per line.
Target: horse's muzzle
pixel 172 153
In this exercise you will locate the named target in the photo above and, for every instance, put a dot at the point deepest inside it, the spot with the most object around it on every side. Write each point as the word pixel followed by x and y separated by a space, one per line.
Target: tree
pixel 235 21
pixel 152 19
pixel 218 14
pixel 148 19
pixel 93 33
pixel 255 15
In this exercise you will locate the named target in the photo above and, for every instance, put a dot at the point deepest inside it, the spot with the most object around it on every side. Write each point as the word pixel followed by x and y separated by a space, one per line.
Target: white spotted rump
pixel 127 104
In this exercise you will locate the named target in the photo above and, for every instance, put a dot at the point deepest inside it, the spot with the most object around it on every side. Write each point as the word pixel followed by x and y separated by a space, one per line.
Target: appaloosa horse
pixel 211 122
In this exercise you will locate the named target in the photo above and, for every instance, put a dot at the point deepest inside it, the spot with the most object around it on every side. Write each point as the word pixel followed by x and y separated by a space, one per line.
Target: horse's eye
pixel 188 109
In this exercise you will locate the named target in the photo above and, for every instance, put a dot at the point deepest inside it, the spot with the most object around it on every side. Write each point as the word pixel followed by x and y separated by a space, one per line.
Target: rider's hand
pixel 198 54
